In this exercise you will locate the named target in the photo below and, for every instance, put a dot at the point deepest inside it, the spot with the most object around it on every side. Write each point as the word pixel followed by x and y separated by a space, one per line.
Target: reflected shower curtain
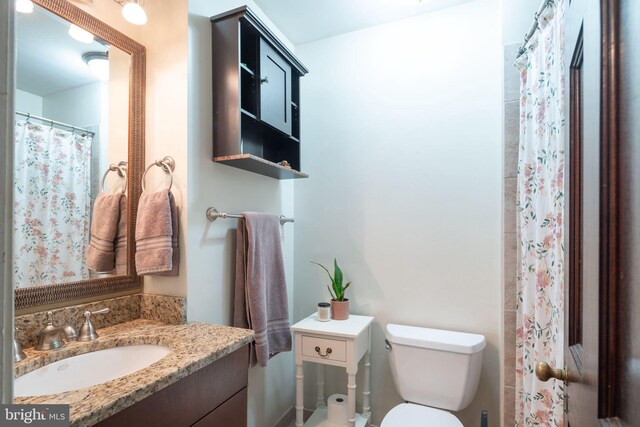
pixel 51 205
pixel 540 207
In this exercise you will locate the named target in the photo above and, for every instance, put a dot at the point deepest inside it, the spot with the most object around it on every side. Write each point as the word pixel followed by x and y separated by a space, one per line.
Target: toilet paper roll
pixel 337 411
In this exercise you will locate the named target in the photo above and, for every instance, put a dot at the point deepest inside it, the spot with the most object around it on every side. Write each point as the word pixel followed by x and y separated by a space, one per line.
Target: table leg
pixel 320 402
pixel 366 408
pixel 299 395
pixel 351 397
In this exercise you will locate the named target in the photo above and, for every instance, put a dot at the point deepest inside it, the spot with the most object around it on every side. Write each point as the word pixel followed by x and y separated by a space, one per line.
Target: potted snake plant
pixel 339 304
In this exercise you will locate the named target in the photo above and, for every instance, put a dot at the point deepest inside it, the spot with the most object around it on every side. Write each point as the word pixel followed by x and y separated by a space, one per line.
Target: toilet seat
pixel 413 415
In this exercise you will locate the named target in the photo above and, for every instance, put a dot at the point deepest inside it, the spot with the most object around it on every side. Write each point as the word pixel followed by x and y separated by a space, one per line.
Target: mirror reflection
pixel 70 153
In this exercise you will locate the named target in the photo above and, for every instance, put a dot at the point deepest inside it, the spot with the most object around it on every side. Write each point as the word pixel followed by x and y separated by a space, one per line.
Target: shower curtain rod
pixel 54 122
pixel 534 26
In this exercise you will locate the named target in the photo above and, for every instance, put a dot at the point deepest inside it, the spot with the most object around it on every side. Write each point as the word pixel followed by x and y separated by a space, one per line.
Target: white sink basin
pixel 88 369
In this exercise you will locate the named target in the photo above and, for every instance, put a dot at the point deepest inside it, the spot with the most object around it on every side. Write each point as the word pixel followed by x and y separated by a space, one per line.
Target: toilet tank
pixel 434 367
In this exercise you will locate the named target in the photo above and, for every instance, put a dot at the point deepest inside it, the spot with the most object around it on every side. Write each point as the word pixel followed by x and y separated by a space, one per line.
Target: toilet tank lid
pixel 436 339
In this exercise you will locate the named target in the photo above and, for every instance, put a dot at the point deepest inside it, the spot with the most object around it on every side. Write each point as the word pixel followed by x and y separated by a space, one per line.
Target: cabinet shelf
pixel 248 114
pixel 246 69
pixel 256 164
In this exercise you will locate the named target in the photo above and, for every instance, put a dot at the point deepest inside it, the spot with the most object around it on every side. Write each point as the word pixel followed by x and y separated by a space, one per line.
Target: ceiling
pixel 304 21
pixel 48 59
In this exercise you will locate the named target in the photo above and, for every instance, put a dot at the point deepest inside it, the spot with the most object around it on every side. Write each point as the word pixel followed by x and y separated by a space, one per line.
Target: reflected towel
pixel 121 240
pixel 157 250
pixel 261 300
pixel 104 226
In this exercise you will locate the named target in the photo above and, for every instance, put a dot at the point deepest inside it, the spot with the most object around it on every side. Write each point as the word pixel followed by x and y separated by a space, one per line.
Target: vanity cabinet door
pixel 275 89
pixel 232 413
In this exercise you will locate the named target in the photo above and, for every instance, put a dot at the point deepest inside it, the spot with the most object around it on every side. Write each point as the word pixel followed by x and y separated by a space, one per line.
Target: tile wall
pixel 511 137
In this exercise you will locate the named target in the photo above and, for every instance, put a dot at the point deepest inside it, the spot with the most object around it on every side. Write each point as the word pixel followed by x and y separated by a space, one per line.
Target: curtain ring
pixel 121 172
pixel 166 164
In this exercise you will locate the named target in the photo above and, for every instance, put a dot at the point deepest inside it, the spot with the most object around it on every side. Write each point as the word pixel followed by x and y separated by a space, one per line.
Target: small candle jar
pixel 324 311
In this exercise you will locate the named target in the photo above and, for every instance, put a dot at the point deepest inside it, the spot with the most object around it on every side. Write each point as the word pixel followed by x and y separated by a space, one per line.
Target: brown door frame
pixel 595 399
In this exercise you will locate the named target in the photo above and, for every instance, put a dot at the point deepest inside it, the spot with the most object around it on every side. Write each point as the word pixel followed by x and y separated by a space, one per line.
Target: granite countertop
pixel 193 346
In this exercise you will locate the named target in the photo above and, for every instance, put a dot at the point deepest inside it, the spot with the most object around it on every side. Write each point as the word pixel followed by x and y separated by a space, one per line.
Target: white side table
pixel 338 343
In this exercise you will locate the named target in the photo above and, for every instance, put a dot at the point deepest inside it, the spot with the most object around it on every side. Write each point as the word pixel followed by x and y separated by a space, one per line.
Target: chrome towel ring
pixel 167 164
pixel 121 168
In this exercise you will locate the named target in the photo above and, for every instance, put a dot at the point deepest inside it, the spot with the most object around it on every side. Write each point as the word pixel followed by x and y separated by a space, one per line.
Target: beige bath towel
pixel 121 240
pixel 104 226
pixel 260 301
pixel 157 250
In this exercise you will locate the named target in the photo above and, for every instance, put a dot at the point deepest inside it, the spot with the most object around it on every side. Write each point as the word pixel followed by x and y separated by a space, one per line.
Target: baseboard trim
pixel 289 417
pixel 286 419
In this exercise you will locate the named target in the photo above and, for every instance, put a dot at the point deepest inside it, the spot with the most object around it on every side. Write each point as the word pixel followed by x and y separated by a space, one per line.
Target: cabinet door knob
pixel 326 353
pixel 265 80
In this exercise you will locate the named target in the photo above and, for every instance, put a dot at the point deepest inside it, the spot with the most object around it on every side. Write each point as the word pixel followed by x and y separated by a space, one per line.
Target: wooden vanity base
pixel 213 396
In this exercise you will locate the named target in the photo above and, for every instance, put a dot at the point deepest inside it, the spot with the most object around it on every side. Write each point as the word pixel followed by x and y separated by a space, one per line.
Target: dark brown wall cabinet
pixel 256 97
pixel 214 396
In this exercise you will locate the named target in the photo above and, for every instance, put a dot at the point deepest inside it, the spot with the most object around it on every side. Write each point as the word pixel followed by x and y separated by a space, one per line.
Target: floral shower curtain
pixel 540 206
pixel 51 205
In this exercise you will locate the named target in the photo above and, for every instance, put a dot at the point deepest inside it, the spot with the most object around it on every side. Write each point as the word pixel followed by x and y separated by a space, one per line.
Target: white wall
pixel 27 102
pixel 165 38
pixel 115 113
pixel 79 106
pixel 212 245
pixel 401 137
pixel 517 17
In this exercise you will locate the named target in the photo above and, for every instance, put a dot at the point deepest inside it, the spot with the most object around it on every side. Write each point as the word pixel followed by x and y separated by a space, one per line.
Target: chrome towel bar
pixel 213 214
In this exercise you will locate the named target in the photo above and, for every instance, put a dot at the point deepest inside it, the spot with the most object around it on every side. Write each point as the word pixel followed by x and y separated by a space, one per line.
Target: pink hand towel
pixel 121 239
pixel 104 226
pixel 260 301
pixel 157 250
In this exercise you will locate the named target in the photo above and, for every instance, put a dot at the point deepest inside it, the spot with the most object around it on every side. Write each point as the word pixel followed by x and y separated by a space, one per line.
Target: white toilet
pixel 435 371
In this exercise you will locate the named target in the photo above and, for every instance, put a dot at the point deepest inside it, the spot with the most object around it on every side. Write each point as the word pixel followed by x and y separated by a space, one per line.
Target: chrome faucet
pixel 88 330
pixel 18 354
pixel 52 337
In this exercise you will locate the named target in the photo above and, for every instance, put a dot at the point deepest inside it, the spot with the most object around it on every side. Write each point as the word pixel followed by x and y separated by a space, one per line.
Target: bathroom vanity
pixel 213 396
pixel 202 381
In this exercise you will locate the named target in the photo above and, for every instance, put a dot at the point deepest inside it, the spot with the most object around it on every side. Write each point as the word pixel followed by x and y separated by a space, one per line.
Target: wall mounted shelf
pixel 256 97
pixel 259 165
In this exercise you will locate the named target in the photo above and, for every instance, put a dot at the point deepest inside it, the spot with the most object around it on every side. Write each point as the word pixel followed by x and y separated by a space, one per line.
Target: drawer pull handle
pixel 326 354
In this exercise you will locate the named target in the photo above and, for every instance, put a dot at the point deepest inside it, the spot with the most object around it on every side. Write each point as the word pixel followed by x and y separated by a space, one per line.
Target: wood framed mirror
pixel 43 273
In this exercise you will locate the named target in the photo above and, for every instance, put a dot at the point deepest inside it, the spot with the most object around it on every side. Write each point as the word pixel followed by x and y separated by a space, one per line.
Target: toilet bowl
pixel 412 415
pixel 434 371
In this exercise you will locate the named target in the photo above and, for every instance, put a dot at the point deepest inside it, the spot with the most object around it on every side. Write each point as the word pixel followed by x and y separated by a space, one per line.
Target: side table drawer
pixel 324 349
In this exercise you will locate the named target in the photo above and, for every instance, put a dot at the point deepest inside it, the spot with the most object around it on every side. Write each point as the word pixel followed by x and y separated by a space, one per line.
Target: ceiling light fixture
pixel 24 6
pixel 98 63
pixel 83 36
pixel 134 13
